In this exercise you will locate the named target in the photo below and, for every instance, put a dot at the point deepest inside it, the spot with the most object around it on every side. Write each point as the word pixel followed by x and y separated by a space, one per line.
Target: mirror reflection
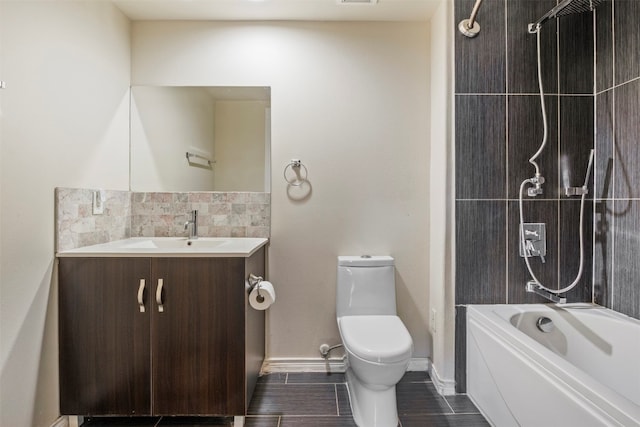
pixel 200 138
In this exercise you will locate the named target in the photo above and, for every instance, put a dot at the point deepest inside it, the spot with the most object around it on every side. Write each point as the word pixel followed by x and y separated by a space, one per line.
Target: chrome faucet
pixel 193 221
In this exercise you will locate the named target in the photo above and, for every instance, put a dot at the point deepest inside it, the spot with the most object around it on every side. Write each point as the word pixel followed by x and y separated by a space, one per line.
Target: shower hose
pixel 537 180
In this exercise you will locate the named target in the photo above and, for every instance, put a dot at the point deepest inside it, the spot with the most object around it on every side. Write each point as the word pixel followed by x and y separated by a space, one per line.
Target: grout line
pixel 617 86
pixel 448 404
pixel 506 143
pixel 561 199
pixel 506 47
pixel 531 94
pixel 313 416
pixel 596 157
pixel 335 389
pixel 279 421
pixel 612 286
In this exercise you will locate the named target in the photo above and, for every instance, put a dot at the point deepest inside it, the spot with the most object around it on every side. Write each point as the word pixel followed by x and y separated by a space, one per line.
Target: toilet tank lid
pixel 365 261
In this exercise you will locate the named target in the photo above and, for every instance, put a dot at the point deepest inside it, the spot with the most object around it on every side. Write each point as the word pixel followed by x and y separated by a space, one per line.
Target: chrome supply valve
pixel 533 240
pixel 537 182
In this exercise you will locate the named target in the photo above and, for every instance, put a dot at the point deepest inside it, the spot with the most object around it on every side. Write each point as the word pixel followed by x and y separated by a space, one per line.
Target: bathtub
pixel 585 372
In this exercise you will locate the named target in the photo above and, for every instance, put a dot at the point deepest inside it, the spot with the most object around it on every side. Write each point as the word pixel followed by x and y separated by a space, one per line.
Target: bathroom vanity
pixel 159 327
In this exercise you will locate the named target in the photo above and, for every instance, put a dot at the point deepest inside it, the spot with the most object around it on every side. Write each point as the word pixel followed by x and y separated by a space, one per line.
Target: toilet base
pixel 371 408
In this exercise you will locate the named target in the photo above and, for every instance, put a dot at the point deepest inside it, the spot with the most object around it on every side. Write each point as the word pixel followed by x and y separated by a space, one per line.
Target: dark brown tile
pixel 575 53
pixel 603 253
pixel 334 421
pixel 195 421
pixel 627 40
pixel 480 61
pixel 604 164
pixel 481 252
pixel 415 377
pixel 576 140
pixel 604 46
pixel 452 420
pixel 461 404
pixel 534 211
pixel 344 405
pixel 261 421
pixel 526 133
pixel 461 349
pixel 315 377
pixel 569 253
pixel 121 421
pixel 480 147
pixel 522 51
pixel 274 378
pixel 420 398
pixel 626 287
pixel 293 399
pixel 627 131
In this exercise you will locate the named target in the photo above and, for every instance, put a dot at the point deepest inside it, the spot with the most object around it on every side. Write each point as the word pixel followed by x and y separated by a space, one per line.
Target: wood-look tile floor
pixel 322 400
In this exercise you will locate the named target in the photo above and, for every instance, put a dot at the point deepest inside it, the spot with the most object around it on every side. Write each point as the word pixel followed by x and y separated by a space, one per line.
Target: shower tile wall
pixel 498 128
pixel 616 267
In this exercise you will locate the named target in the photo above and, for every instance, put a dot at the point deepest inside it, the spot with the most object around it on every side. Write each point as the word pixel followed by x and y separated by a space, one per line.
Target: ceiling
pixel 282 10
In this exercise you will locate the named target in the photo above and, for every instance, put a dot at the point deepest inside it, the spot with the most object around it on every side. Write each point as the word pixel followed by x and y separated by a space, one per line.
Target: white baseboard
pixel 279 364
pixel 321 365
pixel 443 386
pixel 418 364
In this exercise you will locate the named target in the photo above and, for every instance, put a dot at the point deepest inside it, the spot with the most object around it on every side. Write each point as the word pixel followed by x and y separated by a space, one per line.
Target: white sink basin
pixel 176 243
pixel 172 247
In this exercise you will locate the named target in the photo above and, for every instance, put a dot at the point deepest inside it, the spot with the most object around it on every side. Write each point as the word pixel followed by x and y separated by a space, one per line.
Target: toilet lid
pixel 376 338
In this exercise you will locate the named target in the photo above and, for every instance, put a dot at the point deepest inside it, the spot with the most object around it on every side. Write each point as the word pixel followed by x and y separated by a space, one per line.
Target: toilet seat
pixel 379 339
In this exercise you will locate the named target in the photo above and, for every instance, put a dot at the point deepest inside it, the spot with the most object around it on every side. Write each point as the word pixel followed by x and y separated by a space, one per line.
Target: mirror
pixel 200 138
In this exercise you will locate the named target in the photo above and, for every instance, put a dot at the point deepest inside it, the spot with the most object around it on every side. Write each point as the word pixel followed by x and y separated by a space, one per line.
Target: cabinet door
pixel 198 337
pixel 104 337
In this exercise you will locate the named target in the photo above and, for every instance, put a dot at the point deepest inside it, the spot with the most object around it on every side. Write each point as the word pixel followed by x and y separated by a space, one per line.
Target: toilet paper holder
pixel 254 282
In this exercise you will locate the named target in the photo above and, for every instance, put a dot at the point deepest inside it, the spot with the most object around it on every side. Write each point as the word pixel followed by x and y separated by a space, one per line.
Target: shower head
pixel 565 7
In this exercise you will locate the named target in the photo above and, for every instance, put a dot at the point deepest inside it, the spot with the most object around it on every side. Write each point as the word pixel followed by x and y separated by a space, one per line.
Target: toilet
pixel 377 344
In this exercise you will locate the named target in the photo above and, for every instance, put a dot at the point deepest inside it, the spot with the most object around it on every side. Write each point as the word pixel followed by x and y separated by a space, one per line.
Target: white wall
pixel 165 124
pixel 240 145
pixel 350 100
pixel 64 123
pixel 441 190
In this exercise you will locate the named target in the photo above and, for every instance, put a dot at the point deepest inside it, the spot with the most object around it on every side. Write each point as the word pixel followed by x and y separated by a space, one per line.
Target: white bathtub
pixel 586 372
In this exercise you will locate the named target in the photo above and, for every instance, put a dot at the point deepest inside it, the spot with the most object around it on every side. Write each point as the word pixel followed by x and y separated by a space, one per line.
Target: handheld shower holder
pixel 575 191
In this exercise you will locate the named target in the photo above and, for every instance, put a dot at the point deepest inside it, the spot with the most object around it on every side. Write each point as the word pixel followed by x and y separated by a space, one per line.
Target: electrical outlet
pixel 98 202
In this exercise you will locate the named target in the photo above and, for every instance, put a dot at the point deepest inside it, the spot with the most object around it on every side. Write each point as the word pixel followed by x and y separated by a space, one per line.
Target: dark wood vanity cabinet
pixel 158 336
pixel 104 340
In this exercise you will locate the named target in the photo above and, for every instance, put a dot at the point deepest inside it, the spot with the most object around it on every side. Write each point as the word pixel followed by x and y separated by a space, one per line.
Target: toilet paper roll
pixel 265 299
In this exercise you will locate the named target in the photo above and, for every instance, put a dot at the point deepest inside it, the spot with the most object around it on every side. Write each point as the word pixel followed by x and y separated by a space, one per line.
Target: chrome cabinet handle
pixel 159 295
pixel 141 296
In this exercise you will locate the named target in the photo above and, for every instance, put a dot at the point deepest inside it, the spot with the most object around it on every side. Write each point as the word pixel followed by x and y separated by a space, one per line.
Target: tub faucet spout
pixel 193 222
pixel 533 286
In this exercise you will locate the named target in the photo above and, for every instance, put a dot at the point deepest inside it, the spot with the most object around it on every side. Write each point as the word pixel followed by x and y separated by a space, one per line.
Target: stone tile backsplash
pixel 219 214
pixel 137 214
pixel 77 226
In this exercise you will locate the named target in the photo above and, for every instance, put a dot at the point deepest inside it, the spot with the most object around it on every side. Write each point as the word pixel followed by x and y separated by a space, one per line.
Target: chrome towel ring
pixel 296 165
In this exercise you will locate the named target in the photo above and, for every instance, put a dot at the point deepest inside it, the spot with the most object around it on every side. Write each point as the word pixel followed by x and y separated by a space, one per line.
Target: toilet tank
pixel 365 286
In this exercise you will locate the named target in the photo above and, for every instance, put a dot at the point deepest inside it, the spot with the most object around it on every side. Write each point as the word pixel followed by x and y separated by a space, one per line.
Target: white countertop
pixel 171 247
